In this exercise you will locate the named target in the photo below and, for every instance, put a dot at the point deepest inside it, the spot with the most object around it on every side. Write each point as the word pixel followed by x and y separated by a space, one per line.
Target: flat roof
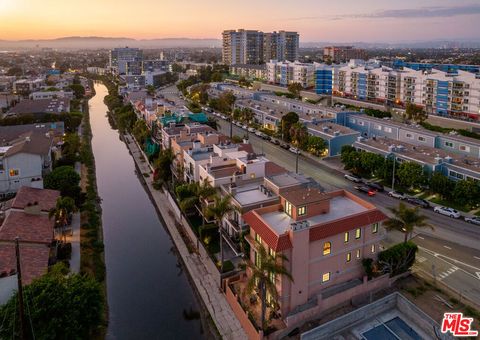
pixel 289 179
pixel 329 129
pixel 419 153
pixel 340 206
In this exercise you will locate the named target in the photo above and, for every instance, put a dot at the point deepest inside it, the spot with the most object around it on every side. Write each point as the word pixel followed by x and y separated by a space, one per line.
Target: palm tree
pixel 221 207
pixel 406 220
pixel 201 192
pixel 261 279
pixel 63 208
pixel 298 133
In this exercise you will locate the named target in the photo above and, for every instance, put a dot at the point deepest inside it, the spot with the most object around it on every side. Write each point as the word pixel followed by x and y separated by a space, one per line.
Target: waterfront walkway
pixel 225 320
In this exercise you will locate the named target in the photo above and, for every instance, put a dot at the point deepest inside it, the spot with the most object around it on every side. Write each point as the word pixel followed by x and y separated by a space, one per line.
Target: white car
pixel 244 127
pixel 258 133
pixel 447 211
pixel 473 220
pixel 397 194
pixel 223 116
pixel 251 129
pixel 294 150
pixel 353 178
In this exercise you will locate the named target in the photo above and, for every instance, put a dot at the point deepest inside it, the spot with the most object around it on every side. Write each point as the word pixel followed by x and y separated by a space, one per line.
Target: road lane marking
pixel 476 257
pixel 447 247
pixel 421 238
pixel 439 256
pixel 421 259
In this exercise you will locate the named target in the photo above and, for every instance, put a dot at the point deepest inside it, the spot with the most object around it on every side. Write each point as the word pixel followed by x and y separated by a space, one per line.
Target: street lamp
pixel 393 175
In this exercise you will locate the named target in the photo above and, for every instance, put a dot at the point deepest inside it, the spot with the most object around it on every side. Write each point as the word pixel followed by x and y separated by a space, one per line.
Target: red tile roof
pixel 46 198
pixel 28 227
pixel 272 169
pixel 274 241
pixel 33 260
pixel 346 224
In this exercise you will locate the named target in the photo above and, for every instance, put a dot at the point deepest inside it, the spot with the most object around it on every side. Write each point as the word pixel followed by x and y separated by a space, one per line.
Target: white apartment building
pixel 286 72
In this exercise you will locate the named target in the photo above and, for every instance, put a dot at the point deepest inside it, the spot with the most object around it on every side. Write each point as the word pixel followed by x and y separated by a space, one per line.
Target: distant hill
pixel 460 43
pixel 106 42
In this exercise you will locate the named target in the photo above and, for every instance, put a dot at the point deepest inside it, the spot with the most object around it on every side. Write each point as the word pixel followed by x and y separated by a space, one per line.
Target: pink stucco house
pixel 323 235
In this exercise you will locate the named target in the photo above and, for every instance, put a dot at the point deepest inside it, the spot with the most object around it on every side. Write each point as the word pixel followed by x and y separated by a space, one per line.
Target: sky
pixel 315 20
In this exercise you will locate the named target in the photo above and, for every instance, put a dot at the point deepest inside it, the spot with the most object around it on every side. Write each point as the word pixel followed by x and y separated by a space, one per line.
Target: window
pixel 358 233
pixel 387 129
pixel 346 237
pixel 375 228
pixel 327 248
pixel 326 277
pixel 361 123
pixel 14 172
pixel 464 148
pixel 258 238
pixel 272 252
pixel 358 253
pixel 288 208
pixel 257 259
pixel 373 248
pixel 271 276
pixel 353 120
pixel 377 127
pixel 302 211
pixel 409 135
pixel 349 257
pixel 421 139
pixel 449 144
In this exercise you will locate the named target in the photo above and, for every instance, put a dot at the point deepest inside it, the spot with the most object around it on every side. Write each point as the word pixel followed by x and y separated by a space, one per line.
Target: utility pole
pixel 231 123
pixel 20 290
pixel 296 162
pixel 393 176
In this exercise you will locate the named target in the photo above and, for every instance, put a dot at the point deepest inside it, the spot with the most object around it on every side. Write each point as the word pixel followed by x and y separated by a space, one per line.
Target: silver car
pixel 473 220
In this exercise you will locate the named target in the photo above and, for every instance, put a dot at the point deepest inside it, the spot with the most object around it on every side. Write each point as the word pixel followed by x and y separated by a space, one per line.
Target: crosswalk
pixel 445 274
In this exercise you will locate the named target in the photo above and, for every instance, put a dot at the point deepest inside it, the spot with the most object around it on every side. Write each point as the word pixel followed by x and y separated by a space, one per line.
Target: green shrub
pixel 397 259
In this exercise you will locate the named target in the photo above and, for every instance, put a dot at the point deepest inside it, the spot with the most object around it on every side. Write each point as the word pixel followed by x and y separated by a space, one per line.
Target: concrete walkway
pixel 225 320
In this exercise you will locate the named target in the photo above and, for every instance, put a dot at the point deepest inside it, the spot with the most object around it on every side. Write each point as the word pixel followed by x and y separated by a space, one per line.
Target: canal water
pixel 149 295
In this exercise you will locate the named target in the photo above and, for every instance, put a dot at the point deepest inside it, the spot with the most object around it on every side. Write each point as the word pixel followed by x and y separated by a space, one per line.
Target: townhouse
pixel 324 236
pixel 335 135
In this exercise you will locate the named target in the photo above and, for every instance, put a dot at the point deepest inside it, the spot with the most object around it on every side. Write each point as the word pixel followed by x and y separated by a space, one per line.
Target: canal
pixel 149 295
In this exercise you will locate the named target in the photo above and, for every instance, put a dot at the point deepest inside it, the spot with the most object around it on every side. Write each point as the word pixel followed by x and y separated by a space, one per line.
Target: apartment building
pixel 341 54
pixel 39 107
pixel 249 71
pixel 120 57
pixel 324 78
pixel 255 47
pixel 51 94
pixel 335 135
pixel 172 131
pixel 24 87
pixel 286 72
pixel 324 236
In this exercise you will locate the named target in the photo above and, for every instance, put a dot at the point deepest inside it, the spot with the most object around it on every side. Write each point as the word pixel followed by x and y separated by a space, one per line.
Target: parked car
pixel 353 178
pixel 418 201
pixel 375 186
pixel 473 220
pixel 251 129
pixel 363 188
pixel 450 212
pixel 285 146
pixel 245 127
pixel 397 194
pixel 238 124
pixel 265 136
pixel 223 116
pixel 258 133
pixel 294 150
pixel 274 141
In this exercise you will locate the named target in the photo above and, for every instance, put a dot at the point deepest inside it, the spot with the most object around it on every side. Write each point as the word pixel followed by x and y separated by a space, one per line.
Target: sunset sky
pixel 315 20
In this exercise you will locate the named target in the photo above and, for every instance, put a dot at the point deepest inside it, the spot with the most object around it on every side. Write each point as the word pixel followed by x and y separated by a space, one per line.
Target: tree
pixel 266 268
pixel 70 148
pixel 298 134
pixel 295 88
pixel 406 220
pixel 442 185
pixel 247 115
pixel 140 131
pixel 218 210
pixel 371 163
pixel 416 113
pixel 316 145
pixel 163 167
pixel 351 158
pixel 287 121
pixel 78 90
pixel 397 259
pixel 467 192
pixel 65 179
pixel 177 68
pixel 150 90
pixel 411 174
pixel 62 306
pixel 64 207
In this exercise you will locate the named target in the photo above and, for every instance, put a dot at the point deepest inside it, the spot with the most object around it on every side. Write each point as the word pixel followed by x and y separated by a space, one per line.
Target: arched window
pixel 327 248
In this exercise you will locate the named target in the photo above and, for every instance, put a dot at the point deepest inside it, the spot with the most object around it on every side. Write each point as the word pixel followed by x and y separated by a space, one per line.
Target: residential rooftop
pixel 423 154
pixel 29 228
pixel 31 106
pixel 27 196
pixel 34 260
pixel 331 130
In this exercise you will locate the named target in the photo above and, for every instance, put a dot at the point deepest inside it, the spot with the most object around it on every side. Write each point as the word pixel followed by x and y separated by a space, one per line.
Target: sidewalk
pixel 207 286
